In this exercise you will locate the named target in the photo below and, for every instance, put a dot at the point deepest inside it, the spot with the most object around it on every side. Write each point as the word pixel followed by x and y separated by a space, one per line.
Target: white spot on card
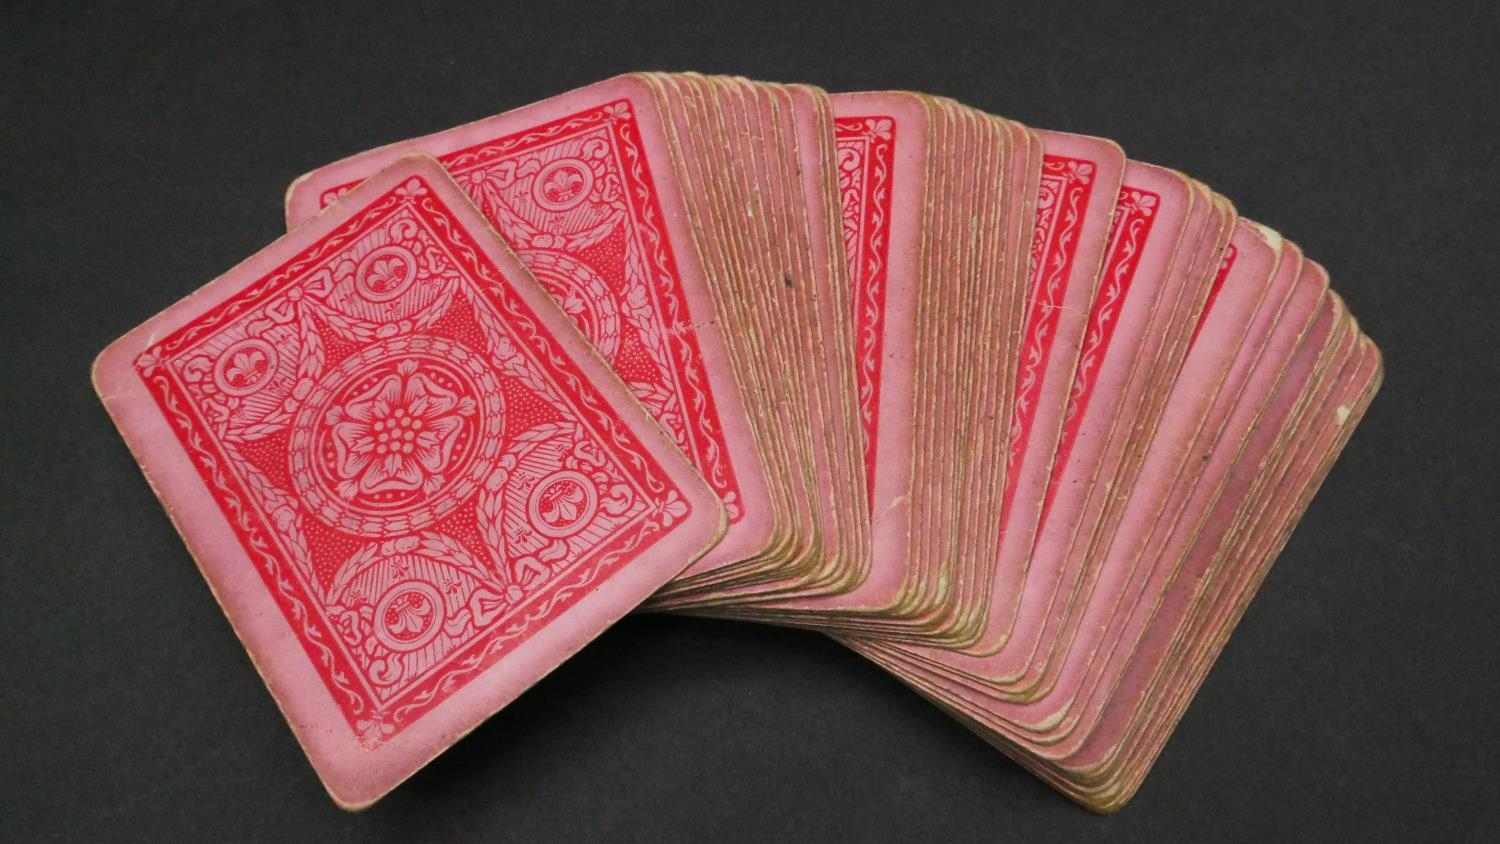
pixel 1343 412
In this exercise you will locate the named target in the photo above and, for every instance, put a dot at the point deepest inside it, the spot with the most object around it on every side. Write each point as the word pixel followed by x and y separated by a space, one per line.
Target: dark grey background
pixel 146 151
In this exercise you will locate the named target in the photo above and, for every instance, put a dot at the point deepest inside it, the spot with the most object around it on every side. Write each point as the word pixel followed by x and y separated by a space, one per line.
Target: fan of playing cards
pixel 1020 420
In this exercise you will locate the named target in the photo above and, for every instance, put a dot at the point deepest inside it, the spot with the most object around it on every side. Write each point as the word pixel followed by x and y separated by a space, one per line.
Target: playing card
pixel 922 150
pixel 1083 773
pixel 411 483
pixel 1079 181
pixel 1123 372
pixel 865 328
pixel 582 187
pixel 1152 213
pixel 1114 765
pixel 761 168
pixel 1021 421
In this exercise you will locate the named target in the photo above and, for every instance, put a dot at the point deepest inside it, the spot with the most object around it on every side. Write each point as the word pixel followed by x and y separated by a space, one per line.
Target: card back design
pixel 575 198
pixel 865 146
pixel 1135 211
pixel 1225 265
pixel 418 475
pixel 1062 200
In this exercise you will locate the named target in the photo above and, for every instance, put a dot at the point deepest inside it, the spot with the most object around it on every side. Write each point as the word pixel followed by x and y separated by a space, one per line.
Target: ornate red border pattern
pixel 705 445
pixel 1135 212
pixel 292 587
pixel 1062 200
pixel 1225 265
pixel 866 148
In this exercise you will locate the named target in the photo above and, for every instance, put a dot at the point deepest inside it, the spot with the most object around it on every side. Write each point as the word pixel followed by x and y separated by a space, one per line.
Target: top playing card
pixel 579 186
pixel 410 481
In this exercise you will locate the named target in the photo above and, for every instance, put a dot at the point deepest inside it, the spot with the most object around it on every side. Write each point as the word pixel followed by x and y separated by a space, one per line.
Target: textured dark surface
pixel 146 151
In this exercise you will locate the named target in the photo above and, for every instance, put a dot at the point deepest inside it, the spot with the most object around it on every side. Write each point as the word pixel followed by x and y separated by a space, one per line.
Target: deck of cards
pixel 1021 420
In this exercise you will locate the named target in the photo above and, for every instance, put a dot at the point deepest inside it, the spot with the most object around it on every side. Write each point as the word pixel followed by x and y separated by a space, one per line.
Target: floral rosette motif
pixel 397 436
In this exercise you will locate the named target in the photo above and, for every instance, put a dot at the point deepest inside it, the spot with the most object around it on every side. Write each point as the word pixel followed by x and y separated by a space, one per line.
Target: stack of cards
pixel 1020 420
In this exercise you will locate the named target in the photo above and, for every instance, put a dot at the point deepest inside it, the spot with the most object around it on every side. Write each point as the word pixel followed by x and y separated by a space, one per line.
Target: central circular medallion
pixel 397 436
